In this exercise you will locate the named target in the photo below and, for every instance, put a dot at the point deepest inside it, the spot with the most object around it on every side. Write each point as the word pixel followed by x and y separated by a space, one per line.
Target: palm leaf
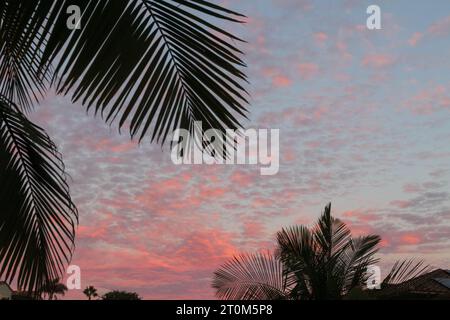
pixel 297 244
pixel 353 262
pixel 331 234
pixel 152 65
pixel 325 262
pixel 21 40
pixel 405 270
pixel 37 216
pixel 297 251
pixel 251 277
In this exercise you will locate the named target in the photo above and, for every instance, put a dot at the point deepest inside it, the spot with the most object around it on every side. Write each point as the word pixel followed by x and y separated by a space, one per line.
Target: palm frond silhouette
pixel 150 66
pixel 323 262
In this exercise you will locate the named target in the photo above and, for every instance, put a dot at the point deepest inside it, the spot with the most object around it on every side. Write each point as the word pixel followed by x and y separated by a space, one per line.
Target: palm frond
pixel 251 277
pixel 331 234
pixel 405 270
pixel 325 262
pixel 297 250
pixel 37 216
pixel 22 37
pixel 296 243
pixel 353 262
pixel 365 247
pixel 152 65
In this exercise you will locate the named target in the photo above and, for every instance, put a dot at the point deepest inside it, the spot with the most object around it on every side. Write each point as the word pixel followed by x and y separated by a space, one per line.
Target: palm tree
pixel 151 66
pixel 54 288
pixel 90 292
pixel 318 263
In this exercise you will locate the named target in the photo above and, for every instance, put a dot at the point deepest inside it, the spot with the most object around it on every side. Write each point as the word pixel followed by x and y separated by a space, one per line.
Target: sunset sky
pixel 364 119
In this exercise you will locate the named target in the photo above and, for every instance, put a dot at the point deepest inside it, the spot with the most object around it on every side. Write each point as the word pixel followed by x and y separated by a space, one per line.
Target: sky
pixel 364 119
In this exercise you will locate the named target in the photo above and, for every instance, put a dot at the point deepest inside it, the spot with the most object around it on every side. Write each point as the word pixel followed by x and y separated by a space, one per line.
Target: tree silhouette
pixel 90 292
pixel 319 263
pixel 151 66
pixel 121 295
pixel 54 288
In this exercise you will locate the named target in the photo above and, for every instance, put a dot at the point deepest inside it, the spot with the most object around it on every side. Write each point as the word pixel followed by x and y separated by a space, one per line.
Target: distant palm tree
pixel 90 292
pixel 318 263
pixel 54 288
pixel 151 66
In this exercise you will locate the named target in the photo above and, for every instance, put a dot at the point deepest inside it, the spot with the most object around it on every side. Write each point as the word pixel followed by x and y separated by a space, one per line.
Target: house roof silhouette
pixel 435 284
pixel 5 290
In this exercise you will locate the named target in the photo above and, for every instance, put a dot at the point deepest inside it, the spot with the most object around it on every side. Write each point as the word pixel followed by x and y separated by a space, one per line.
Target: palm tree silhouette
pixel 319 263
pixel 54 288
pixel 90 292
pixel 151 66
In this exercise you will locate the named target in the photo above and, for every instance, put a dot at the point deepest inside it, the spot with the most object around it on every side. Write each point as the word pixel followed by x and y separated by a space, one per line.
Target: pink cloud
pixel 92 232
pixel 342 77
pixel 281 81
pixel 440 28
pixel 152 256
pixel 211 247
pixel 308 70
pixel 343 50
pixel 402 204
pixel 107 144
pixel 412 188
pixel 429 100
pixel 410 239
pixel 302 5
pixel 123 147
pixel 277 77
pixel 415 38
pixel 378 61
pixel 242 179
pixel 320 37
pixel 384 243
pixel 253 229
pixel 208 192
pixel 289 155
pixel 261 202
pixel 359 229
pixel 361 216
